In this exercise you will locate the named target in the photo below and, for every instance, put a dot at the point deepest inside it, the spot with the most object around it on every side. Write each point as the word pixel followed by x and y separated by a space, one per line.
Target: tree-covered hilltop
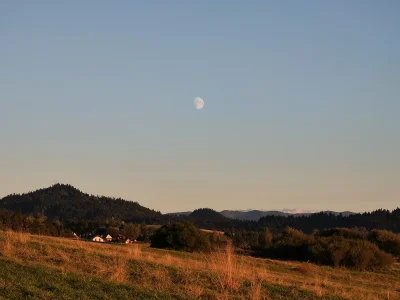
pixel 207 218
pixel 64 202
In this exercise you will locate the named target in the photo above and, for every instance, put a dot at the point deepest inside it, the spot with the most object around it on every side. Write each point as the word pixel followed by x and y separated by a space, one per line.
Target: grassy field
pixel 40 267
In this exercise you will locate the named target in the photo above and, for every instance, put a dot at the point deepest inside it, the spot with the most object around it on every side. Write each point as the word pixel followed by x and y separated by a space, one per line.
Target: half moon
pixel 198 103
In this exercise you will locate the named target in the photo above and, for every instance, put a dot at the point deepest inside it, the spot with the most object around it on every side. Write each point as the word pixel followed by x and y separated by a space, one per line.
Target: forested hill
pixel 64 202
pixel 210 219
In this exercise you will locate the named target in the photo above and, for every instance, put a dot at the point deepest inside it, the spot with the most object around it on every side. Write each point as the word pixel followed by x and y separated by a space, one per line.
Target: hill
pixel 64 202
pixel 208 215
pixel 252 215
pixel 209 219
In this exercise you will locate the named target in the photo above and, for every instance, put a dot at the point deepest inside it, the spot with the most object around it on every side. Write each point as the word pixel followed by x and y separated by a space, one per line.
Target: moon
pixel 198 103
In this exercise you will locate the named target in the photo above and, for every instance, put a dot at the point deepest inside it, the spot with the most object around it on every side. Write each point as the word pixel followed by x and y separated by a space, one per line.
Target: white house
pixel 109 238
pixel 98 239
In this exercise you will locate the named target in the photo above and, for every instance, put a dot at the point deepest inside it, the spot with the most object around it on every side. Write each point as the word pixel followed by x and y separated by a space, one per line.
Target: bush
pixel 329 251
pixel 352 253
pixel 181 236
pixel 294 237
pixel 292 244
pixel 265 238
pixel 386 240
pixel 333 250
pixel 218 241
pixel 246 239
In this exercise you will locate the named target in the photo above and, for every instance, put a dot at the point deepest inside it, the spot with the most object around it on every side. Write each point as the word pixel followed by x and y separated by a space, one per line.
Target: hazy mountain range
pixel 255 215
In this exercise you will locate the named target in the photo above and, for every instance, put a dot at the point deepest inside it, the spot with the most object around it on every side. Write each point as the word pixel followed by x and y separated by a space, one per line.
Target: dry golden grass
pixel 219 275
pixel 134 251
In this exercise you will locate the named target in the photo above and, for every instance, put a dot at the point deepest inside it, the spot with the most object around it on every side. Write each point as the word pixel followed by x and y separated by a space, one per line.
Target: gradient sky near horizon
pixel 302 102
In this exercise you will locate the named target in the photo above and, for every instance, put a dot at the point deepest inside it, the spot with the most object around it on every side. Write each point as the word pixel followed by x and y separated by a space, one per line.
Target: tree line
pixel 353 248
pixel 39 224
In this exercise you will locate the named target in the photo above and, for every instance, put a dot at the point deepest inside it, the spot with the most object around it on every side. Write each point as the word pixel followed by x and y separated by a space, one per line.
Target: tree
pixel 265 238
pixel 58 226
pixel 131 231
pixel 113 231
pixel 18 221
pixel 386 240
pixel 181 236
pixel 5 219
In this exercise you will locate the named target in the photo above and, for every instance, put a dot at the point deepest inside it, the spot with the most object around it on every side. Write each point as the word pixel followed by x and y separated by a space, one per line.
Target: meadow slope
pixel 42 267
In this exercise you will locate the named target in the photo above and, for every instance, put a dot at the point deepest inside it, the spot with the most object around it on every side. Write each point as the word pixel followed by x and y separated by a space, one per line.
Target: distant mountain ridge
pixel 255 215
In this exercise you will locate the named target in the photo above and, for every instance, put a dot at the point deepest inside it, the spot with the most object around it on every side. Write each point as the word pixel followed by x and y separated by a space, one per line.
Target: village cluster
pixel 106 238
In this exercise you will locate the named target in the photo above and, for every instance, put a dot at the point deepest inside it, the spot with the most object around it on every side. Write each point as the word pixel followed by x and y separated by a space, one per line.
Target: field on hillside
pixel 42 267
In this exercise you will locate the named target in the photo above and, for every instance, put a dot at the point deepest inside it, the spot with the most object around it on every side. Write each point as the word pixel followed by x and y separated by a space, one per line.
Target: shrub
pixel 334 250
pixel 386 240
pixel 294 237
pixel 181 236
pixel 292 244
pixel 265 238
pixel 218 241
pixel 329 251
pixel 352 253
pixel 245 239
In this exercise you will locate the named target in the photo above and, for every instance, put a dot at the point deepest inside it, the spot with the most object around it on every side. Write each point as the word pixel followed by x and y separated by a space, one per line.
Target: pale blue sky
pixel 302 102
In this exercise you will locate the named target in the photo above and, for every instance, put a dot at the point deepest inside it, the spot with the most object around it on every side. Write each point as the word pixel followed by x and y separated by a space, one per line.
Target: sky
pixel 301 102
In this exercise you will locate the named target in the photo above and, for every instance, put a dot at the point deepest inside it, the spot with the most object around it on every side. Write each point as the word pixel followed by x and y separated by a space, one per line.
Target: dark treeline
pixel 379 219
pixel 255 241
pixel 32 223
pixel 117 229
pixel 354 248
pixel 38 224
